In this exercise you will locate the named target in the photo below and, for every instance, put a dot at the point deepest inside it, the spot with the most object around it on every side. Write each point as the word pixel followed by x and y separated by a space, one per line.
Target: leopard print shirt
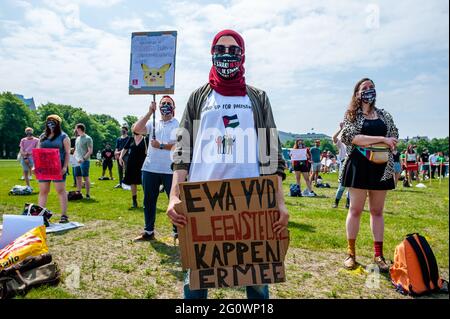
pixel 351 129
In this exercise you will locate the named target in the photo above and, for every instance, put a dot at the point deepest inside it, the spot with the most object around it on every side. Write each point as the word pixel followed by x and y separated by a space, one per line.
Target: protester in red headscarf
pixel 230 115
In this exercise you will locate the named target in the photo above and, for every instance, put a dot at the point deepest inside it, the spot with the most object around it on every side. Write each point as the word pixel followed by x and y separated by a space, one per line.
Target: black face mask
pixel 227 65
pixel 124 132
pixel 29 134
pixel 51 125
pixel 369 96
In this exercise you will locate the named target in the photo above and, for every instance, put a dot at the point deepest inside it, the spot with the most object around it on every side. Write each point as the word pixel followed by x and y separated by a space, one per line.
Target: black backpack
pixel 74 195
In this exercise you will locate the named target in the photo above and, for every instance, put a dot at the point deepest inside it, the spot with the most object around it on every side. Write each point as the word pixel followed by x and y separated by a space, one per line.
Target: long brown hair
pixel 355 102
pixel 296 143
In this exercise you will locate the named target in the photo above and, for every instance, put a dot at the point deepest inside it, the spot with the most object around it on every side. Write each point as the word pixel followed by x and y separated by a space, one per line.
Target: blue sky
pixel 306 54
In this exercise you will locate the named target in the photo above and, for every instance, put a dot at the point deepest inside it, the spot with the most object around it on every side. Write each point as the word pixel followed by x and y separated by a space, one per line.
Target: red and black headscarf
pixel 236 85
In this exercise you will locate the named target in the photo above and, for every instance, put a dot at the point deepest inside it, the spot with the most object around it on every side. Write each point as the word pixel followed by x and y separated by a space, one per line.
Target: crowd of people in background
pixel 409 165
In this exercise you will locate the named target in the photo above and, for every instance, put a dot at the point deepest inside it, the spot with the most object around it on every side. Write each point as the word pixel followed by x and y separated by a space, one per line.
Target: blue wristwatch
pixel 161 146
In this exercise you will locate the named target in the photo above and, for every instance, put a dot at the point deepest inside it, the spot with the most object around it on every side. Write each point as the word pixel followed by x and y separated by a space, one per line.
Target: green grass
pixel 113 267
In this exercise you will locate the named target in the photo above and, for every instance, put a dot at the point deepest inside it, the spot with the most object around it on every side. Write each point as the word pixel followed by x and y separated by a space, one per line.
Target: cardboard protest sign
pixel 229 239
pixel 152 62
pixel 47 164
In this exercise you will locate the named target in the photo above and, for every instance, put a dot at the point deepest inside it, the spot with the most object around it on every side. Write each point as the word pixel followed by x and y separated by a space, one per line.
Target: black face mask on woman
pixel 227 65
pixel 51 125
pixel 369 96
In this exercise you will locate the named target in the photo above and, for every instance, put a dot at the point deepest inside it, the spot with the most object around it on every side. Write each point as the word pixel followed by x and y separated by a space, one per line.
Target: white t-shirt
pixel 73 161
pixel 433 158
pixel 157 160
pixel 299 154
pixel 342 150
pixel 411 157
pixel 226 145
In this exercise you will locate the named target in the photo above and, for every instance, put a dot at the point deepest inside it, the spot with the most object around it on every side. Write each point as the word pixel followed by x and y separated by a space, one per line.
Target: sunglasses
pixel 232 49
pixel 166 103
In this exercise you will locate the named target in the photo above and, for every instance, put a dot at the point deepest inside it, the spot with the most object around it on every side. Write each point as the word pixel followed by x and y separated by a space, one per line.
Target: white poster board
pixel 15 226
pixel 152 62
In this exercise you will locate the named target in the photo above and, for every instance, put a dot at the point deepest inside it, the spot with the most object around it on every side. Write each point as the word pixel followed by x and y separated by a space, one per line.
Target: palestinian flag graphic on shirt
pixel 230 121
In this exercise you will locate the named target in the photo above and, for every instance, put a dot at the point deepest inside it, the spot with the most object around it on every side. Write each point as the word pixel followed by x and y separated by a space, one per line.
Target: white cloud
pixel 296 36
pixel 131 25
pixel 61 5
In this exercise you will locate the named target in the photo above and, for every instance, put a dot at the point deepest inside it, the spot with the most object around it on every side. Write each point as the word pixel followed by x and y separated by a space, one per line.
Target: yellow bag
pixel 32 243
pixel 379 153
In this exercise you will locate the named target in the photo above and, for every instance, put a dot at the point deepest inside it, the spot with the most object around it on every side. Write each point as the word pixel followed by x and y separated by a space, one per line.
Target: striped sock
pixel 351 250
pixel 378 247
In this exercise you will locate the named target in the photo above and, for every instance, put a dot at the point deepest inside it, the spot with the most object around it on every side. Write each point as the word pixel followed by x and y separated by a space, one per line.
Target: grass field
pixel 111 266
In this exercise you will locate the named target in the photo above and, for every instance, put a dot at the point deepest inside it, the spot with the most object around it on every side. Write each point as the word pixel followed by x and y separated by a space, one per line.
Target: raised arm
pixel 140 125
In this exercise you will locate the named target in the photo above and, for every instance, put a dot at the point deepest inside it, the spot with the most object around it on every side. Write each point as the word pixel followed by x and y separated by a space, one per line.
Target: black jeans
pixel 120 169
pixel 150 184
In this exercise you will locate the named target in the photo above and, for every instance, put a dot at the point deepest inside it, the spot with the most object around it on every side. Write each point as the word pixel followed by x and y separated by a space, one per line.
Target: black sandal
pixel 64 219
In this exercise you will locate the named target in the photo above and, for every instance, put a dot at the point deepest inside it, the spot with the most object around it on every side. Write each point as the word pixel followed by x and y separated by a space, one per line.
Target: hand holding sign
pixel 47 164
pixel 178 219
pixel 281 224
pixel 152 108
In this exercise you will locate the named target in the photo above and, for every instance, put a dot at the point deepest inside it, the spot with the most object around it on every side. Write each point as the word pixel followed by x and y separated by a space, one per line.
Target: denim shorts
pixel 54 181
pixel 316 167
pixel 397 167
pixel 83 169
pixel 25 166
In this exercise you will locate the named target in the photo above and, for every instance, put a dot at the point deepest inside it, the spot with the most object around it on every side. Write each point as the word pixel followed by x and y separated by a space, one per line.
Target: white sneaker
pixel 305 193
pixel 309 194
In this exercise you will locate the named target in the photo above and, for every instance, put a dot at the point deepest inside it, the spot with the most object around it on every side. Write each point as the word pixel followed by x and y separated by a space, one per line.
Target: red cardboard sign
pixel 47 164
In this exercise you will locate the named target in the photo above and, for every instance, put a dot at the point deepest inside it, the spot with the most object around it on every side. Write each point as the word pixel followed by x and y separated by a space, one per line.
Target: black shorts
pixel 107 164
pixel 302 166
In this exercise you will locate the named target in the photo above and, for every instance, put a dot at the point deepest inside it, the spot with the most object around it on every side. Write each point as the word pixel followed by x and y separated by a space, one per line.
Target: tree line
pixel 15 116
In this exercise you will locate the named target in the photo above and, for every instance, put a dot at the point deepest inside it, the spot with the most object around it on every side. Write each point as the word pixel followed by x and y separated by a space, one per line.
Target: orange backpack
pixel 415 271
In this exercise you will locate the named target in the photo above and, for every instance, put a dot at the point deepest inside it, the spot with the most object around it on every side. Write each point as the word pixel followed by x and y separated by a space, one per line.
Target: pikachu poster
pixel 152 62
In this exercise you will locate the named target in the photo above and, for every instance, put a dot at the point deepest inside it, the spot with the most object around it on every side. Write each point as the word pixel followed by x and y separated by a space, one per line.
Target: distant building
pixel 313 136
pixel 415 139
pixel 418 138
pixel 28 102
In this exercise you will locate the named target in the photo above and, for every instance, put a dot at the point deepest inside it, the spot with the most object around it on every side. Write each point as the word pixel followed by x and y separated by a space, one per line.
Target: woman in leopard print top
pixel 364 125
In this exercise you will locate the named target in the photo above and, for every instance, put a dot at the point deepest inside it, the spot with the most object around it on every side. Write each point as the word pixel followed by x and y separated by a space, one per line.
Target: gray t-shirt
pixel 81 146
pixel 57 142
